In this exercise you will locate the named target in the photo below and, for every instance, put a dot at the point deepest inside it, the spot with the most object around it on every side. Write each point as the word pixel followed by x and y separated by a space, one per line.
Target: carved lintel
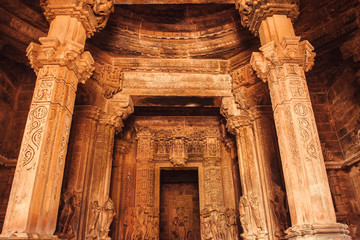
pixel 70 54
pixel 110 79
pixel 253 12
pixel 289 51
pixel 93 14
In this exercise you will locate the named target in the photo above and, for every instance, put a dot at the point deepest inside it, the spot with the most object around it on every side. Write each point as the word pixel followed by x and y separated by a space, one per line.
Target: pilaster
pixel 253 208
pixel 80 154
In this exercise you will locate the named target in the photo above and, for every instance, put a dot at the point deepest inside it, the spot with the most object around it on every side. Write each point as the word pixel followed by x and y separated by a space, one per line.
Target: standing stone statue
pixel 107 216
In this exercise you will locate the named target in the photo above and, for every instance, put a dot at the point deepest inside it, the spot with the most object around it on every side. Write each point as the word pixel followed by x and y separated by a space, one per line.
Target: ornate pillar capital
pixel 237 118
pixel 289 52
pixel 93 14
pixel 110 79
pixel 253 12
pixel 121 105
pixel 70 55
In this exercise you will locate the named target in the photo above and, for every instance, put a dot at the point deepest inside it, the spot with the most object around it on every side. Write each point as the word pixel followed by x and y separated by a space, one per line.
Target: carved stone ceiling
pixel 206 31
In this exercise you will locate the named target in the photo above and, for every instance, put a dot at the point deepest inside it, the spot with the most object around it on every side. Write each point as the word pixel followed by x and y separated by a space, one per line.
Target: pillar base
pixel 331 231
pixel 26 236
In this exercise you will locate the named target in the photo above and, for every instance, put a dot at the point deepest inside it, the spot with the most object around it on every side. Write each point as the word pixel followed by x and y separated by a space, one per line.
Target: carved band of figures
pixel 141 223
pixel 219 224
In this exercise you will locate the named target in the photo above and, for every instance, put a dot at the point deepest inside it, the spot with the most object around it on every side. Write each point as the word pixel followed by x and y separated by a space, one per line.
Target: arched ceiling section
pixel 174 31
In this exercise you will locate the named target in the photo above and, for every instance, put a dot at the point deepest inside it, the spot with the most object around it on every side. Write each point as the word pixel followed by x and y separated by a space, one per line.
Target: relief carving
pixel 218 224
pixel 251 221
pixel 100 220
pixel 141 223
pixel 179 145
pixel 70 204
pixel 110 79
pixel 181 225
pixel 279 209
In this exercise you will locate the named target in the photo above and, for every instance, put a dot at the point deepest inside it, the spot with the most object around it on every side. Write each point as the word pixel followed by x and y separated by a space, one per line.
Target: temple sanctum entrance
pixel 179 205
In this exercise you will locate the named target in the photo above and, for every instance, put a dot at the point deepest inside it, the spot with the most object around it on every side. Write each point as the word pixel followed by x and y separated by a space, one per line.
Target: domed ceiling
pixel 174 31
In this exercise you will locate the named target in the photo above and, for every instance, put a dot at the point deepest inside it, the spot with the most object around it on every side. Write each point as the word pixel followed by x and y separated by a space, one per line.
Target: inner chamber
pixel 179 205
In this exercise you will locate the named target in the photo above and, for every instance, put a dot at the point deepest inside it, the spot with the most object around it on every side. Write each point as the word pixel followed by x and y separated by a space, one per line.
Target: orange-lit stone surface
pixel 179 119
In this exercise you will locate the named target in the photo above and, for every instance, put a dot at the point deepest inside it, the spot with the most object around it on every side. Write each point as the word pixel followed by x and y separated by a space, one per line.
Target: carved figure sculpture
pixel 221 225
pixel 93 231
pixel 67 214
pixel 231 230
pixel 107 216
pixel 243 211
pixel 277 200
pixel 254 210
pixel 129 223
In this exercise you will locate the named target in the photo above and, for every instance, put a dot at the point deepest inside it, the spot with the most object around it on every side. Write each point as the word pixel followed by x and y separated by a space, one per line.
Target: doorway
pixel 179 205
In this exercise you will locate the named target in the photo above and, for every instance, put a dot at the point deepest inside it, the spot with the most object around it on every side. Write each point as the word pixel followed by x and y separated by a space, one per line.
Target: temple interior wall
pixel 331 26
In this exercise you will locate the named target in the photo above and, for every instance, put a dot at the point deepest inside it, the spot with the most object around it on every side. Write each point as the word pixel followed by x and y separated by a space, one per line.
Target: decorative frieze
pixel 218 224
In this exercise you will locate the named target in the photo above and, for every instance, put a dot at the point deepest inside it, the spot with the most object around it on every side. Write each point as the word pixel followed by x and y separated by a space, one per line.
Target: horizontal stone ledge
pixel 338 165
pixel 174 1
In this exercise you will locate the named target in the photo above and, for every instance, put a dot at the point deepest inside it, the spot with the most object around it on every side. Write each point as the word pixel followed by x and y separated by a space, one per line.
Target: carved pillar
pixel 253 208
pixel 60 63
pixel 80 155
pixel 121 149
pixel 282 62
pixel 101 209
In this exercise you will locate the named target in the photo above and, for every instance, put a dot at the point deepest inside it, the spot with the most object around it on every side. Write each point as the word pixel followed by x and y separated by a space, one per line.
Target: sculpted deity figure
pixel 255 213
pixel 67 214
pixel 277 200
pixel 231 231
pixel 93 231
pixel 107 216
pixel 206 232
pixel 221 225
pixel 129 223
pixel 244 216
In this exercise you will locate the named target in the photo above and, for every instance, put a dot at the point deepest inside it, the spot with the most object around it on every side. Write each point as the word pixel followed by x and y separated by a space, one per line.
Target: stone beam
pixel 174 1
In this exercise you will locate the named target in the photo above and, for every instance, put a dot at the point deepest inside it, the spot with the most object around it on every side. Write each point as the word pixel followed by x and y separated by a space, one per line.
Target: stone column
pixel 100 208
pixel 121 149
pixel 60 63
pixel 282 63
pixel 80 155
pixel 253 208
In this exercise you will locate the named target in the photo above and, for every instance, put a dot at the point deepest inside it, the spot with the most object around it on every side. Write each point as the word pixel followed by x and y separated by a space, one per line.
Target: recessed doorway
pixel 179 205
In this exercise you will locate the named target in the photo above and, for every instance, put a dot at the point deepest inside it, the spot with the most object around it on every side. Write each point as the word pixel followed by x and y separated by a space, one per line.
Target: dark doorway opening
pixel 179 205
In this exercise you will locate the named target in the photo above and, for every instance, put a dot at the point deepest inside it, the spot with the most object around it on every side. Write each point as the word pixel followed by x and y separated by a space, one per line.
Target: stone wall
pixel 334 91
pixel 16 89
